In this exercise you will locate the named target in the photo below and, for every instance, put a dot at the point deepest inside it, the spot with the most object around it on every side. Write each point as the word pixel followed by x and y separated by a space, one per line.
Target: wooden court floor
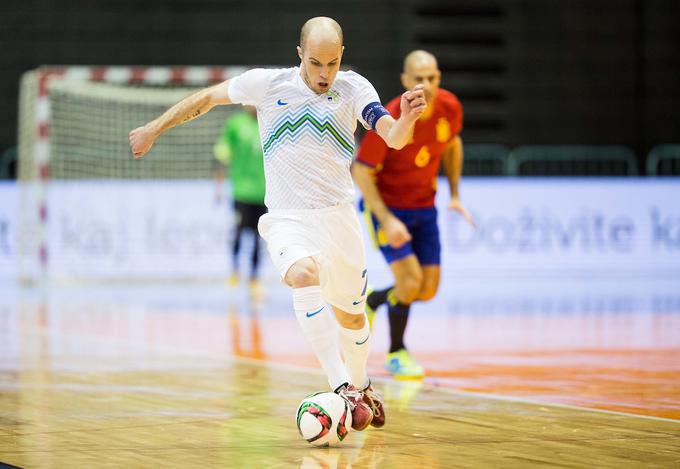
pixel 112 380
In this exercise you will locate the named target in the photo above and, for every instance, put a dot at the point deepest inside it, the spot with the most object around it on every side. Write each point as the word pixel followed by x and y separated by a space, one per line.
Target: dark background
pixel 527 71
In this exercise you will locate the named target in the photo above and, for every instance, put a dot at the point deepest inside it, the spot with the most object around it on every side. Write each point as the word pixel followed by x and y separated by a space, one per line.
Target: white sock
pixel 356 344
pixel 321 331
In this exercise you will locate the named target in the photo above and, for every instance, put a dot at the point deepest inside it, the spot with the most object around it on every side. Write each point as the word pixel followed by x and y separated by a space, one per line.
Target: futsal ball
pixel 324 418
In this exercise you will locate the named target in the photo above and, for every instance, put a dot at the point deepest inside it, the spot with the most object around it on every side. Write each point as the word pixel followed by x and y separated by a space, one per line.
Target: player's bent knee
pixel 407 294
pixel 406 297
pixel 350 321
pixel 408 289
pixel 303 273
pixel 427 294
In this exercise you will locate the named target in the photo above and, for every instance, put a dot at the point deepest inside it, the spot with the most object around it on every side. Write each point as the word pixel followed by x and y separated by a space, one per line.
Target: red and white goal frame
pixel 34 139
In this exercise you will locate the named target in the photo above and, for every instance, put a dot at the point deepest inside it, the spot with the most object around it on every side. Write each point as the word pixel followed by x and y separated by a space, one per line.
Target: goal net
pixel 88 209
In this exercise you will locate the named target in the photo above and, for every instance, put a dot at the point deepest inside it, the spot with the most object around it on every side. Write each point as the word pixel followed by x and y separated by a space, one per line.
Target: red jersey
pixel 407 178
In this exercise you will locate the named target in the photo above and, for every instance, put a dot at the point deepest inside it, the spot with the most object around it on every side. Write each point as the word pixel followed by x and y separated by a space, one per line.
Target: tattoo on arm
pixel 187 109
pixel 194 115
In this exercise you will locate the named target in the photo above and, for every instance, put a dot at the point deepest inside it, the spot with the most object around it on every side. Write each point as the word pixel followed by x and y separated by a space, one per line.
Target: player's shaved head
pixel 419 58
pixel 321 28
pixel 421 68
pixel 320 52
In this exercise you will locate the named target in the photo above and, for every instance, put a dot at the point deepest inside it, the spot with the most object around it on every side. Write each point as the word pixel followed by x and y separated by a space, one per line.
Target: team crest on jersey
pixel 332 96
pixel 443 130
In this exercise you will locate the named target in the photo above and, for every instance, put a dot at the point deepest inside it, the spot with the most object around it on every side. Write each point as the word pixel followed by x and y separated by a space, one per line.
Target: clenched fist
pixel 141 141
pixel 413 102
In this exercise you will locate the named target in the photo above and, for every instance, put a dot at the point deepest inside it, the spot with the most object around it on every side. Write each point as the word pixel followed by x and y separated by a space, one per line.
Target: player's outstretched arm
pixel 397 133
pixel 191 107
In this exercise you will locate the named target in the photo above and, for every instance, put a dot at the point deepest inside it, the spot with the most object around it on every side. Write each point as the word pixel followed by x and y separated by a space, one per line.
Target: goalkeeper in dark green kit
pixel 239 151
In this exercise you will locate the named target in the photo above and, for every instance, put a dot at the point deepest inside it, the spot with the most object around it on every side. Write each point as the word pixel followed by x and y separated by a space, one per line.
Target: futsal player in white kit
pixel 307 117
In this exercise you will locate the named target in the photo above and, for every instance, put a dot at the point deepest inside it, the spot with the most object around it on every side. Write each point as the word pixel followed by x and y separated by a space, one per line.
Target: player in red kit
pixel 398 189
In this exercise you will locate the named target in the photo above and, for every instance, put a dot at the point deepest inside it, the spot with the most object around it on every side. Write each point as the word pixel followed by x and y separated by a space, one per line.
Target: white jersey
pixel 307 138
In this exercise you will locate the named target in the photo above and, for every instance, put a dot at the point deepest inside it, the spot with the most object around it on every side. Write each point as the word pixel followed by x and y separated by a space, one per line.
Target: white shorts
pixel 332 237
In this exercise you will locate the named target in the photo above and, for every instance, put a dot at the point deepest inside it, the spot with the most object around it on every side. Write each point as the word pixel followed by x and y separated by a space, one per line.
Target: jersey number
pixel 423 157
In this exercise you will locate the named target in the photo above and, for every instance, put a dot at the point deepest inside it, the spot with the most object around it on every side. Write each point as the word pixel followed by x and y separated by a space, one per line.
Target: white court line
pixel 455 392
pixel 318 372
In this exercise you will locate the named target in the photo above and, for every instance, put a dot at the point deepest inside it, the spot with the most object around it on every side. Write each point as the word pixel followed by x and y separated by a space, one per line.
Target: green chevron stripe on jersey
pixel 297 125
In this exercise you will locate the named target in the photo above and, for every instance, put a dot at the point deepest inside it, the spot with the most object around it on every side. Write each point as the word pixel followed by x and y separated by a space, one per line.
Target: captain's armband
pixel 373 112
